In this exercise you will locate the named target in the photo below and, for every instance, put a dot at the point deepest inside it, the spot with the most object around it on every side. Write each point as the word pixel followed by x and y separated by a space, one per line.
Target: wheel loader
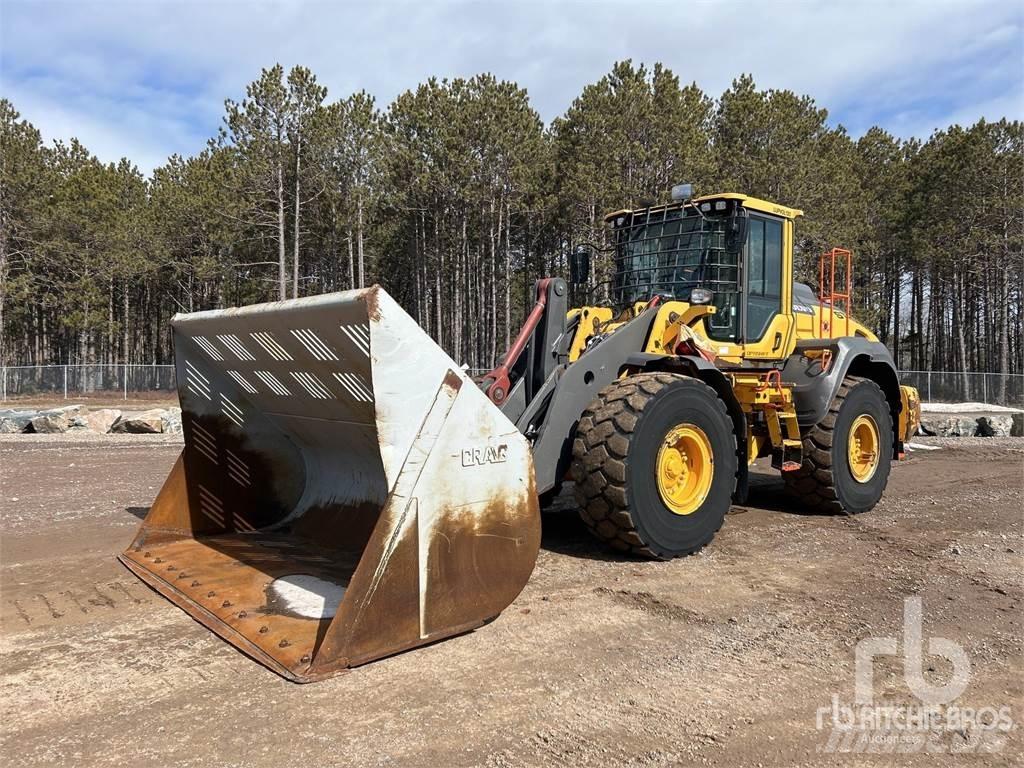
pixel 346 492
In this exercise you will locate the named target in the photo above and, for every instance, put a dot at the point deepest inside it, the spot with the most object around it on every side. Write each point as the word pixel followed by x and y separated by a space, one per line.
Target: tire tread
pixel 600 452
pixel 814 484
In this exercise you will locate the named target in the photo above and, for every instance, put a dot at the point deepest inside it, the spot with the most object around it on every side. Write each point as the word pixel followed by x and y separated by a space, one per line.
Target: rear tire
pixel 826 482
pixel 618 454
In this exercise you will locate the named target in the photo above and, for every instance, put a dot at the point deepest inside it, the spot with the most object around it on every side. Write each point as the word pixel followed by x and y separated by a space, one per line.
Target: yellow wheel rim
pixel 684 469
pixel 862 448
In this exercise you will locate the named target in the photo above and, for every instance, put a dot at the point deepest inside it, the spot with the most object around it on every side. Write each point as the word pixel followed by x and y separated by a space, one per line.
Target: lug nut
pixel 283 644
pixel 211 593
pixel 242 614
pixel 226 604
pixel 264 630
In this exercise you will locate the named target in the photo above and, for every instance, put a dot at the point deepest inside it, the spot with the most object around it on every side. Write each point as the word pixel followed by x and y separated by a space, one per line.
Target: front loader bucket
pixel 345 491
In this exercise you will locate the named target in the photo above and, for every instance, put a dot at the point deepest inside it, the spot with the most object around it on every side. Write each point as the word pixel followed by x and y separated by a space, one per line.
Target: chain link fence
pixel 84 382
pixel 144 381
pixel 967 387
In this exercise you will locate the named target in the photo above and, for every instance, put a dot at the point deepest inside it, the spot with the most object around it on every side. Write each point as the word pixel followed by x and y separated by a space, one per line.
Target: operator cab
pixel 734 248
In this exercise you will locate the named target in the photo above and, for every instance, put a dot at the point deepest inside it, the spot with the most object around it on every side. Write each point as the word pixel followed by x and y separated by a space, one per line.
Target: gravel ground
pixel 723 658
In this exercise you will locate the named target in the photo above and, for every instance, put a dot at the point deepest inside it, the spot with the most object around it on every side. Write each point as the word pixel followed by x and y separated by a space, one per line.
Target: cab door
pixel 767 316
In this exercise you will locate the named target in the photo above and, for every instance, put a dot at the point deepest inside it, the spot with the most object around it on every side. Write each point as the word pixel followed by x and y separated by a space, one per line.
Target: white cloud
pixel 147 79
pixel 912 123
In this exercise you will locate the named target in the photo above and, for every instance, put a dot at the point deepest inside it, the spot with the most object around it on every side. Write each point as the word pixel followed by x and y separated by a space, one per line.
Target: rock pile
pixel 74 418
pixel 78 418
pixel 1003 424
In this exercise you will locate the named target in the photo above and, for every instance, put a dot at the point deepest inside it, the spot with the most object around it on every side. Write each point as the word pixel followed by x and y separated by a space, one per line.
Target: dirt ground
pixel 722 658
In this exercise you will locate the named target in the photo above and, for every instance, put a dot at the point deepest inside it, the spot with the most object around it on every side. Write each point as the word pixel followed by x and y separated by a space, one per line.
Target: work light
pixel 701 296
pixel 682 192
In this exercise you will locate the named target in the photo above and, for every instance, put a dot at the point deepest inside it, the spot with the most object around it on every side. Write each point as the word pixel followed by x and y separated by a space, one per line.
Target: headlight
pixel 701 296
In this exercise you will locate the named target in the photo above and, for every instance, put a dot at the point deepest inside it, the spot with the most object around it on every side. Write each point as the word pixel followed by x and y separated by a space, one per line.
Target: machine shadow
pixel 563 532
pixel 768 493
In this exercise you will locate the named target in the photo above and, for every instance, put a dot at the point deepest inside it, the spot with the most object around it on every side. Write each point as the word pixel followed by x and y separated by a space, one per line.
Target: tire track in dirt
pixel 69 606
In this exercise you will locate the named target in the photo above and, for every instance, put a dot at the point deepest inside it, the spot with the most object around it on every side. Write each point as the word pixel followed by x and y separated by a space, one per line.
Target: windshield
pixel 671 252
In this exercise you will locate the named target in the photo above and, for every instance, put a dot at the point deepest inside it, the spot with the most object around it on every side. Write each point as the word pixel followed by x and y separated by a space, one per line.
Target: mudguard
pixel 816 379
pixel 815 385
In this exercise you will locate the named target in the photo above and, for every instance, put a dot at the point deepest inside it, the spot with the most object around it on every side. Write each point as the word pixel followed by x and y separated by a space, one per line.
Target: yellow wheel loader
pixel 346 492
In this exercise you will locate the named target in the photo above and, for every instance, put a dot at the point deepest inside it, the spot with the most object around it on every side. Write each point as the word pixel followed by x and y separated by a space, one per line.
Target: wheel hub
pixel 684 469
pixel 863 448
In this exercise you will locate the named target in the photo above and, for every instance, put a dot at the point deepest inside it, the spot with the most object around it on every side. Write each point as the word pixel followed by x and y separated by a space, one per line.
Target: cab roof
pixel 751 203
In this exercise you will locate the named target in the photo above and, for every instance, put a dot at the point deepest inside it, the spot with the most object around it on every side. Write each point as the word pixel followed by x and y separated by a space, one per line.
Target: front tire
pixel 654 461
pixel 847 456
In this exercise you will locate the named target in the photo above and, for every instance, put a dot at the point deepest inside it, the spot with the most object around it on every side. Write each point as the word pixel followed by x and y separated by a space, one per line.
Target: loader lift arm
pixel 539 348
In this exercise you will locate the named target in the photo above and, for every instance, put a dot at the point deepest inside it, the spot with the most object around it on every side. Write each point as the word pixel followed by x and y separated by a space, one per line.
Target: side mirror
pixel 737 236
pixel 579 265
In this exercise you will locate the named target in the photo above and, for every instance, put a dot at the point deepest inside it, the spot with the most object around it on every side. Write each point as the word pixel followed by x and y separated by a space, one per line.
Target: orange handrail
pixel 829 297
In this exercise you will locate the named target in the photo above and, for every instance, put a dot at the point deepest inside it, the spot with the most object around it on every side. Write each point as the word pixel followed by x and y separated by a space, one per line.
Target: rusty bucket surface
pixel 345 491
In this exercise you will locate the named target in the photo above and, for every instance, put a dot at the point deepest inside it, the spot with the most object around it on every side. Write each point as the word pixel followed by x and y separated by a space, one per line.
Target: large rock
pixel 12 421
pixel 949 424
pixel 172 421
pixel 54 420
pixel 995 425
pixel 100 421
pixel 48 423
pixel 147 422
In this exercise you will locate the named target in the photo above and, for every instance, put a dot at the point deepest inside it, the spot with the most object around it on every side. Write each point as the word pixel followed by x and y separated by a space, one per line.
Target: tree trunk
pixel 437 285
pixel 508 275
pixel 492 331
pixel 351 263
pixel 282 269
pixel 958 331
pixel 3 291
pixel 297 223
pixel 124 330
pixel 359 240
pixel 897 267
pixel 1004 304
pixel 108 354
pixel 458 310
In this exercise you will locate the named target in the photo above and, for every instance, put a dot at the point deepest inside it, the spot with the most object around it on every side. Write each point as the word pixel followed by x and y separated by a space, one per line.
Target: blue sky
pixel 144 79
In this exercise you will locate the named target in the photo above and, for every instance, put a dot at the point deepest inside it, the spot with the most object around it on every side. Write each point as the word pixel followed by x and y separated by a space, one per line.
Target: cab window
pixel 764 275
